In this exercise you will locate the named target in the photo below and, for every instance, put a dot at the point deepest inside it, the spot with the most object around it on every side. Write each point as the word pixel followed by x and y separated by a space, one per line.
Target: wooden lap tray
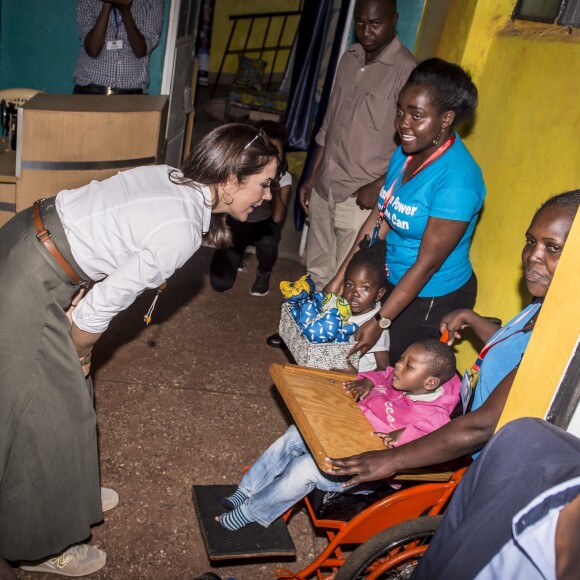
pixel 329 420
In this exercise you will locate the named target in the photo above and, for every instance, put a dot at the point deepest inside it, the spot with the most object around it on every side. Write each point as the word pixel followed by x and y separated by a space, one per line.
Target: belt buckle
pixel 109 91
pixel 43 236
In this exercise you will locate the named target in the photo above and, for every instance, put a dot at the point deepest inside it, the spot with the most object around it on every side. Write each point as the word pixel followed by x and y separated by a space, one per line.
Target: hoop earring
pixel 231 200
pixel 438 138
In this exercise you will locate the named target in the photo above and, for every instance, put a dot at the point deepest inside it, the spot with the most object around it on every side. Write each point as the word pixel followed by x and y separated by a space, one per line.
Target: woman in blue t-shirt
pixel 426 211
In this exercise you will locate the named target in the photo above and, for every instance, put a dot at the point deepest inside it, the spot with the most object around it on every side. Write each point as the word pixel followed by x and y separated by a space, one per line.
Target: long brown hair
pixel 231 151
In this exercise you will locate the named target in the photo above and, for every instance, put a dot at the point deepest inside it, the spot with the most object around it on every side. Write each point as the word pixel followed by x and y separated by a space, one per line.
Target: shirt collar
pixel 207 201
pixel 427 397
pixel 367 315
pixel 388 56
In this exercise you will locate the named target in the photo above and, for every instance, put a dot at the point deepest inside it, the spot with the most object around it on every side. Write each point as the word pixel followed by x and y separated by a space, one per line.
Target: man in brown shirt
pixel 357 138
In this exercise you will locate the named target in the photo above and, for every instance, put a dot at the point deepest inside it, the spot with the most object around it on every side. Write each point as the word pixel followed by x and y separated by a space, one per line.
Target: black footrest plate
pixel 249 542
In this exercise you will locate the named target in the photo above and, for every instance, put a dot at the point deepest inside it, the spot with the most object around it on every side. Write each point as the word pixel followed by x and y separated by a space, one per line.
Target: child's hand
pixel 359 389
pixel 391 439
pixel 349 370
pixel 350 367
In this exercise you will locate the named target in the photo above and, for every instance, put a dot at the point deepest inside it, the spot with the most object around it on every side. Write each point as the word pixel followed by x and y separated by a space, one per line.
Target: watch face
pixel 384 323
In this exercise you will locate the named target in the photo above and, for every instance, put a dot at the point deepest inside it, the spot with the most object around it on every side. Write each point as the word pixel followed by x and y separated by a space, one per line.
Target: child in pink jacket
pixel 403 403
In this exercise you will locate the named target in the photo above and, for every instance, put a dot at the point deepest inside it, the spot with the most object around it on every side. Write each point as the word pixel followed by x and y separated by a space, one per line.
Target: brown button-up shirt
pixel 358 133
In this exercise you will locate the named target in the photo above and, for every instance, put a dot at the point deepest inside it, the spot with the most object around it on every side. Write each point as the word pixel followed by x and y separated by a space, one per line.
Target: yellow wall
pixel 457 28
pixel 525 137
pixel 222 26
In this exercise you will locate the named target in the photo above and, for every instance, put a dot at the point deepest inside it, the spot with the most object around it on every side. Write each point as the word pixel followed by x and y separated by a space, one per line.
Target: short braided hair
pixel 372 257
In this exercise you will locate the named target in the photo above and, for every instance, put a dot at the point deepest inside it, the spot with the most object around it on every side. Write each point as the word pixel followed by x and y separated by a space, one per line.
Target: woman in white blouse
pixel 111 239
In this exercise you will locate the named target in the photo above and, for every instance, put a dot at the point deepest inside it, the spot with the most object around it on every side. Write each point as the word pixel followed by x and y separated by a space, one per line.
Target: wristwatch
pixel 384 323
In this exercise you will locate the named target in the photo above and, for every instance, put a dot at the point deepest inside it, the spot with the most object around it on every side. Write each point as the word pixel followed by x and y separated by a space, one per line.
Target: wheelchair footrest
pixel 251 541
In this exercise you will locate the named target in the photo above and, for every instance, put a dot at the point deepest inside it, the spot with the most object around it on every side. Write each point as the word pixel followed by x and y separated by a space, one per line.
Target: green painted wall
pixel 39 45
pixel 410 12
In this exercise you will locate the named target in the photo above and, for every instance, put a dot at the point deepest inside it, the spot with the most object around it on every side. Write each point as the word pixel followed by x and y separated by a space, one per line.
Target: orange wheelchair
pixel 388 530
pixel 389 536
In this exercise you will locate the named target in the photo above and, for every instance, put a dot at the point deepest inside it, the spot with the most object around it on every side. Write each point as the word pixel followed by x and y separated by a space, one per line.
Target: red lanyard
pixel 437 153
pixel 531 309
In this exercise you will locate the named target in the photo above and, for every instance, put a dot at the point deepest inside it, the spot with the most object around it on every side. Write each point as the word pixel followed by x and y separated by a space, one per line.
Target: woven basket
pixel 326 356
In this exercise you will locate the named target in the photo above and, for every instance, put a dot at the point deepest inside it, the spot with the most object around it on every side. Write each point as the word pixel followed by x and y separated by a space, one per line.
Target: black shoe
pixel 208 576
pixel 275 341
pixel 261 285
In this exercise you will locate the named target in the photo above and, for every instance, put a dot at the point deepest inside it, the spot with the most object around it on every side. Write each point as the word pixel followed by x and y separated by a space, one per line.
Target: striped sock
pixel 235 500
pixel 235 519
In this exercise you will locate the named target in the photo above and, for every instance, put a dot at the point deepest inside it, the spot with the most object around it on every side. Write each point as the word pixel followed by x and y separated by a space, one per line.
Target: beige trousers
pixel 332 232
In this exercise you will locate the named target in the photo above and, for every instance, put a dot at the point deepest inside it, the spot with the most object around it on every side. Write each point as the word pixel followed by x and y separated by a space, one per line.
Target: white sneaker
pixel 79 560
pixel 109 498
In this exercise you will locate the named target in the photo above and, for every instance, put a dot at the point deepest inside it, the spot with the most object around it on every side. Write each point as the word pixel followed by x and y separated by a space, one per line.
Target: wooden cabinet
pixel 65 141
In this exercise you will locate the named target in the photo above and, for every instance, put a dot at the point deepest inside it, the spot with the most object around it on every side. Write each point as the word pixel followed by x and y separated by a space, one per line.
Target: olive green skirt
pixel 49 471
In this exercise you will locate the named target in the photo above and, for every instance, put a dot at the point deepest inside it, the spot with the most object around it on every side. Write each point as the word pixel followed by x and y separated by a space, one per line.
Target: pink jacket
pixel 389 410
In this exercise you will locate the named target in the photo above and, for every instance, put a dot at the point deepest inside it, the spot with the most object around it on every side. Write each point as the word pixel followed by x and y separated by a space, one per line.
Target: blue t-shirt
pixel 452 188
pixel 505 356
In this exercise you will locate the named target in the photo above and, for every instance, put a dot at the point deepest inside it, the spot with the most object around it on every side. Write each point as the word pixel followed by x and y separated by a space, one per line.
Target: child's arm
pixel 349 370
pixel 381 351
pixel 280 203
pixel 391 439
pixel 382 359
pixel 359 389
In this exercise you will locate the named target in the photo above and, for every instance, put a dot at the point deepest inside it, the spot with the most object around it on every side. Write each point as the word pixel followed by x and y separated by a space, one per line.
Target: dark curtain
pixel 308 56
pixel 309 50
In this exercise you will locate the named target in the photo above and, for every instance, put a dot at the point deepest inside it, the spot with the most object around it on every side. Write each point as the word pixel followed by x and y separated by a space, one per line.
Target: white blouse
pixel 128 233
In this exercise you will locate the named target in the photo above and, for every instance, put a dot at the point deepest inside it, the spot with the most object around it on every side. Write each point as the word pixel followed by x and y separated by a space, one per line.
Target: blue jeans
pixel 282 476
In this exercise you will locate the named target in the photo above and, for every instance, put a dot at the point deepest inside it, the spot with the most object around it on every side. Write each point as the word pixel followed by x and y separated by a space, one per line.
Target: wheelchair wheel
pixel 392 553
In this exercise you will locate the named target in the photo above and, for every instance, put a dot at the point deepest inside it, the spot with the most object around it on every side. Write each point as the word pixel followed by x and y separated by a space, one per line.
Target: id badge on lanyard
pixel 117 43
pixel 467 384
pixel 377 227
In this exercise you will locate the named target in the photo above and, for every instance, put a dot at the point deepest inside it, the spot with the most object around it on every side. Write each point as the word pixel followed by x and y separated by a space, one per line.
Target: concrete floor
pixel 187 400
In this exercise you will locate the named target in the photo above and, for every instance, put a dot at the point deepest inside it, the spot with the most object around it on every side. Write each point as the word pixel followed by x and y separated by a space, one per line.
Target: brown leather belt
pixel 43 235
